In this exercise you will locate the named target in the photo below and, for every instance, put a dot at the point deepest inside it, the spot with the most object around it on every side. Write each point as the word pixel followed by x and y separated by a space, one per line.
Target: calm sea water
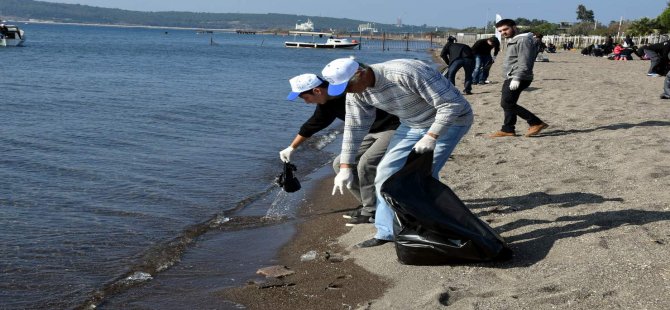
pixel 137 165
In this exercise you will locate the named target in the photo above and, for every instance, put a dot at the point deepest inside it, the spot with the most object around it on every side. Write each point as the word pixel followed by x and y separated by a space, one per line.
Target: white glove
pixel 285 155
pixel 514 85
pixel 343 178
pixel 426 144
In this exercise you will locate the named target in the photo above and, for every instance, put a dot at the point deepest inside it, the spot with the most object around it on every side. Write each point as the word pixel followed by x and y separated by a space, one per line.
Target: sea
pixel 138 165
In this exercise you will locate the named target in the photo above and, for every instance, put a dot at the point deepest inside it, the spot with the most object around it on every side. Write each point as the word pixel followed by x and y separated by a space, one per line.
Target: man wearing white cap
pixel 313 89
pixel 434 116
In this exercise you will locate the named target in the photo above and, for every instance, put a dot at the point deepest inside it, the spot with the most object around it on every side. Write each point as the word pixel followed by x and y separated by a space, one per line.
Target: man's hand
pixel 285 155
pixel 426 144
pixel 343 178
pixel 514 85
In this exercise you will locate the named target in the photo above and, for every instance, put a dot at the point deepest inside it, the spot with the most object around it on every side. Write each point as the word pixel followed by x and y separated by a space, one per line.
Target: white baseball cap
pixel 337 73
pixel 303 83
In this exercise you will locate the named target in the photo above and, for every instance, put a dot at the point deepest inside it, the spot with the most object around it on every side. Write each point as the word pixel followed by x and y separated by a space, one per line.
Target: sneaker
pixel 360 219
pixel 499 134
pixel 487 82
pixel 664 96
pixel 653 74
pixel 353 213
pixel 467 92
pixel 535 129
pixel 371 243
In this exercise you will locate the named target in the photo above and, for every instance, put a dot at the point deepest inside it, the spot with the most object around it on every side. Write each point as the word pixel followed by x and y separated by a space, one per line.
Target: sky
pixel 442 13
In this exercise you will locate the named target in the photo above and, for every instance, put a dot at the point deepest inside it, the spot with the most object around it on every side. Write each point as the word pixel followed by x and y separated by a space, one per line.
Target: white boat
pixel 331 42
pixel 11 35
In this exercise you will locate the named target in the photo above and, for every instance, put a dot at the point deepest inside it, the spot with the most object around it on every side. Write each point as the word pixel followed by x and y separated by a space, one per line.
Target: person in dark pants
pixel 457 56
pixel 314 90
pixel 483 60
pixel 518 74
pixel 656 53
pixel 664 63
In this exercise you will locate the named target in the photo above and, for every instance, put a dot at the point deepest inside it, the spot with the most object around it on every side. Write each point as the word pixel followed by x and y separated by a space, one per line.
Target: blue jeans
pixel 481 74
pixel 396 155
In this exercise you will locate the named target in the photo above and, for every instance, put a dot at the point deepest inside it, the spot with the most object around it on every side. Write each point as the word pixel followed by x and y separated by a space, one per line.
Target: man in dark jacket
pixel 518 74
pixel 457 55
pixel 657 53
pixel 313 89
pixel 483 60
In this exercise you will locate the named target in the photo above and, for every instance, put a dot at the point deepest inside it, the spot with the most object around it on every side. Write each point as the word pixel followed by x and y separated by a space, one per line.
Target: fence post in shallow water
pixel 383 41
pixel 407 42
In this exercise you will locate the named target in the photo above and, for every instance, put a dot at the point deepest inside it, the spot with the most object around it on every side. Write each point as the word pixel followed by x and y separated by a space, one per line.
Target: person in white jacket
pixel 518 74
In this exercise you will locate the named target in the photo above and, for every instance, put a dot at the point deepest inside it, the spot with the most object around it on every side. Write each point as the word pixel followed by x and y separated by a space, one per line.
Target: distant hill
pixel 76 13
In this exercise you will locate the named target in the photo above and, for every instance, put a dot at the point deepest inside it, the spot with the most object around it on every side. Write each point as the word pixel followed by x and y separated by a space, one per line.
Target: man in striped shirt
pixel 434 116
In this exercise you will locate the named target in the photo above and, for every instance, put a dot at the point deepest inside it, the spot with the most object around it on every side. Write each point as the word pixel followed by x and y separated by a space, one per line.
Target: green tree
pixel 545 28
pixel 642 26
pixel 584 15
pixel 664 19
pixel 580 29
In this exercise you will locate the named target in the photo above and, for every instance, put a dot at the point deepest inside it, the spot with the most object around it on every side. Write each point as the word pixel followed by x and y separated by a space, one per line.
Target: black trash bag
pixel 287 180
pixel 432 226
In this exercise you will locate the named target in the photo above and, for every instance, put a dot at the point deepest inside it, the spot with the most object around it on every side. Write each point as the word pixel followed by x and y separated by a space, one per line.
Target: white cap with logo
pixel 303 83
pixel 337 73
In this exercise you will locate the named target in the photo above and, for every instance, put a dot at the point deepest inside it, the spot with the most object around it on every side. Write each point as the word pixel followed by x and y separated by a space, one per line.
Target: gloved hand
pixel 343 178
pixel 426 144
pixel 514 85
pixel 285 154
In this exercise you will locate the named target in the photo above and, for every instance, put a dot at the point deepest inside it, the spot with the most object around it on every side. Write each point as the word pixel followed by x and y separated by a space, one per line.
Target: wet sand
pixel 585 206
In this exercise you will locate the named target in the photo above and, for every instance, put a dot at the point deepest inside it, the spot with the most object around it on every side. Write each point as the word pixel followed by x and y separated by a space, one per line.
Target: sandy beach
pixel 585 207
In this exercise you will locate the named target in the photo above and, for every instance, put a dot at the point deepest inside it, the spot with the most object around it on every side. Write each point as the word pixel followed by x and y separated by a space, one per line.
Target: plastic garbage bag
pixel 287 180
pixel 432 226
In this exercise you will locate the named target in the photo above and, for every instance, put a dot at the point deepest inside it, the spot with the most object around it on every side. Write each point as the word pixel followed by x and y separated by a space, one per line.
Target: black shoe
pixel 371 243
pixel 353 213
pixel 360 219
pixel 664 96
pixel 467 92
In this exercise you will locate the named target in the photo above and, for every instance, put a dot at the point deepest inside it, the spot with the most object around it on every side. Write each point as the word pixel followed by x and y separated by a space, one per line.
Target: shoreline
pixel 584 206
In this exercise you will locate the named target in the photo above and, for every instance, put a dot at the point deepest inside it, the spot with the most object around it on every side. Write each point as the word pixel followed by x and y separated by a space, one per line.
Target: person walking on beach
pixel 312 89
pixel 483 60
pixel 457 56
pixel 518 74
pixel 434 116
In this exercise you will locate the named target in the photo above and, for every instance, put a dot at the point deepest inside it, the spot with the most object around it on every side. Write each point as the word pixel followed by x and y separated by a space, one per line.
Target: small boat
pixel 332 41
pixel 11 35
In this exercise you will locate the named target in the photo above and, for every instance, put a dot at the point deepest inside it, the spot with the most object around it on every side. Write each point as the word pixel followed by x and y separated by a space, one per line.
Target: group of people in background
pixel 476 61
pixel 393 108
pixel 658 54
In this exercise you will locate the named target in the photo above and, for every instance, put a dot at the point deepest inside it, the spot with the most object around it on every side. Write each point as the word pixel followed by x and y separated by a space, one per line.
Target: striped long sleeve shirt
pixel 410 89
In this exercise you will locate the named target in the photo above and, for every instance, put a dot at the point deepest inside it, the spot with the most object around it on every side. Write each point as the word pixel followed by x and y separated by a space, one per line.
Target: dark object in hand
pixel 287 180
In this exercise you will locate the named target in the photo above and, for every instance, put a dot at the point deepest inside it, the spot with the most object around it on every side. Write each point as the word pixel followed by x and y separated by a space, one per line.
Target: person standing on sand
pixel 434 116
pixel 313 89
pixel 518 74
pixel 457 56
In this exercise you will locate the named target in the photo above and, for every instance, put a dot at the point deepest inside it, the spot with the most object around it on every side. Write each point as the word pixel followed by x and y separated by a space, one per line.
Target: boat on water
pixel 11 35
pixel 331 42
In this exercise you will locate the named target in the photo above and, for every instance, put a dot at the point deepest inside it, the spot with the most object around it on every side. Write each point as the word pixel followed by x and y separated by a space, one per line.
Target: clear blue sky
pixel 446 13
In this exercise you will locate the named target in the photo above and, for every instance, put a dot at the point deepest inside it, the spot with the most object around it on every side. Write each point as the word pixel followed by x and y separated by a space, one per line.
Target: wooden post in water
pixel 407 42
pixel 383 41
